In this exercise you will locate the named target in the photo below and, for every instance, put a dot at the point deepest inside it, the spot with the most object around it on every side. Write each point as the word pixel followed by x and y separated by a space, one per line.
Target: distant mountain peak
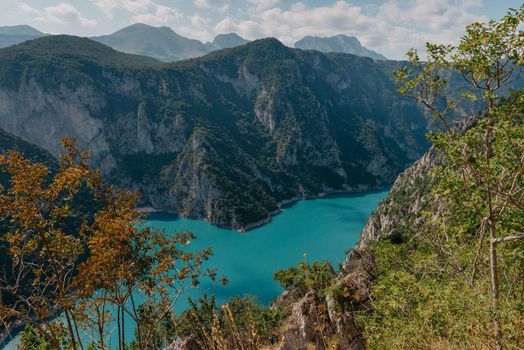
pixel 143 26
pixel 228 40
pixel 161 43
pixel 22 29
pixel 229 35
pixel 338 43
pixel 11 35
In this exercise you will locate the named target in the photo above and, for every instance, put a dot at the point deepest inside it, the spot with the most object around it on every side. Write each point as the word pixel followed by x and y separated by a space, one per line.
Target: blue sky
pixel 388 26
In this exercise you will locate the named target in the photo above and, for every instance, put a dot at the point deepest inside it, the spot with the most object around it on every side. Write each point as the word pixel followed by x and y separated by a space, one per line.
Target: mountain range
pixel 165 45
pixel 228 137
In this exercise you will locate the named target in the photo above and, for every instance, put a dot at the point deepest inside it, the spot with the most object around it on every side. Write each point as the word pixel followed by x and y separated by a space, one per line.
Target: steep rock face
pixel 226 137
pixel 410 195
pixel 405 201
pixel 21 112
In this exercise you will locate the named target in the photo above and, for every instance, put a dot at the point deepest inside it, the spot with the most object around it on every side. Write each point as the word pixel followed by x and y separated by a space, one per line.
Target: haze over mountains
pixel 11 35
pixel 166 45
pixel 338 43
pixel 161 43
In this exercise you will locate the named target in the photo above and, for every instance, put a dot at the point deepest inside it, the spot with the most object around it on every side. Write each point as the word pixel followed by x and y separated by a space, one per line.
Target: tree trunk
pixel 495 285
pixel 70 328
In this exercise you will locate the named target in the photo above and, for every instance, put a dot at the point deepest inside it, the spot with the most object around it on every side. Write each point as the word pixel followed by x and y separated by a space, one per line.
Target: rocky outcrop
pixel 312 326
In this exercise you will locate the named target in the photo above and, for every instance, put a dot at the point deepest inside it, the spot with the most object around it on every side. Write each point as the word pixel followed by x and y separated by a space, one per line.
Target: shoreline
pixel 284 204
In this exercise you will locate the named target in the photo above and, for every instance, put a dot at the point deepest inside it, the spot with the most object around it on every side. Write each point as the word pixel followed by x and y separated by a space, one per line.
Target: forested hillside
pixel 227 137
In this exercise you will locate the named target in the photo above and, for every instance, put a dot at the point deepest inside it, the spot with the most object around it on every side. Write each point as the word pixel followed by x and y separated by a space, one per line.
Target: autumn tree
pixel 78 247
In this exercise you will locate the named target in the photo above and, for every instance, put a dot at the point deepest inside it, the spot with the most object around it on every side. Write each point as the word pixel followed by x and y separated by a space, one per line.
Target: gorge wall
pixel 226 137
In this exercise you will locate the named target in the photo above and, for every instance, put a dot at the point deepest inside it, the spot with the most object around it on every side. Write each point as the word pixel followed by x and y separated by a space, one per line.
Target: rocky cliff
pixel 303 329
pixel 226 137
pixel 408 196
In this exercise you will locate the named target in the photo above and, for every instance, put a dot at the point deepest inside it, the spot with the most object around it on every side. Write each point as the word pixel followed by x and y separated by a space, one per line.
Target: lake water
pixel 322 228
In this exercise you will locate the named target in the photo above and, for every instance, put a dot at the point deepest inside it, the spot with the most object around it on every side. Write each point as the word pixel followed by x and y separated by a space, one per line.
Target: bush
pixel 315 277
pixel 241 323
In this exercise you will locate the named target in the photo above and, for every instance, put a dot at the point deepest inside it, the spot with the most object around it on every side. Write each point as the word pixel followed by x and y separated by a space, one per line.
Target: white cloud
pixel 28 10
pixel 63 13
pixel 391 28
pixel 215 5
pixel 143 11
pixel 264 4
pixel 198 27
pixel 161 15
pixel 108 7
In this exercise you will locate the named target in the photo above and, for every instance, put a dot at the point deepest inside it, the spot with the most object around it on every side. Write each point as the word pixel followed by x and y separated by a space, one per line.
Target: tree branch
pixel 509 238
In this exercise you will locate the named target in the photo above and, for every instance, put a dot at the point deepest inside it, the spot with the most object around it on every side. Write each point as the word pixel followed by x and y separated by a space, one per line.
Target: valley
pixel 293 190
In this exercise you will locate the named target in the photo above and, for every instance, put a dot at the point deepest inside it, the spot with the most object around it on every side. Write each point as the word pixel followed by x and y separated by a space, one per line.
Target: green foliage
pixel 157 321
pixel 30 339
pixel 424 295
pixel 316 277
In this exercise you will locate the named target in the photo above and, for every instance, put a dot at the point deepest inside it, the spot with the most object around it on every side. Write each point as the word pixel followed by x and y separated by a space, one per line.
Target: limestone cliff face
pixel 44 117
pixel 405 201
pixel 226 137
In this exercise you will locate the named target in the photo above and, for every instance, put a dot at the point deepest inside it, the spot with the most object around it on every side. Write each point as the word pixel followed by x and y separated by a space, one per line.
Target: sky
pixel 390 27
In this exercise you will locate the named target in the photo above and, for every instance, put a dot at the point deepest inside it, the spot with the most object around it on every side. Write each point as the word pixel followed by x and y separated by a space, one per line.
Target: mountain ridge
pixel 227 41
pixel 158 42
pixel 21 29
pixel 164 44
pixel 225 137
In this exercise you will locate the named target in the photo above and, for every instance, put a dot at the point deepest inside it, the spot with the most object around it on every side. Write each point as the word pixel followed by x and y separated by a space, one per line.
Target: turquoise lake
pixel 322 228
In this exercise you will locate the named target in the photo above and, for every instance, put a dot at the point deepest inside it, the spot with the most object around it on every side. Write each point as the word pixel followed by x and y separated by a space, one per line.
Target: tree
pixel 79 247
pixel 484 152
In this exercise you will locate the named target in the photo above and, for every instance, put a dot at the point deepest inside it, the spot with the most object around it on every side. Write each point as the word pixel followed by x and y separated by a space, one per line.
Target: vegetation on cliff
pixel 453 278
